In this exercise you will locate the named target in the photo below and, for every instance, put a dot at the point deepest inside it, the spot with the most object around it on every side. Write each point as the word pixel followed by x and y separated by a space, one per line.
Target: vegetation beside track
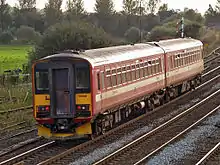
pixel 13 56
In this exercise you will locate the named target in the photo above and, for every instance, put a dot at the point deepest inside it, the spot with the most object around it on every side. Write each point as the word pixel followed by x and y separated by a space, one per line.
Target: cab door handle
pixel 66 92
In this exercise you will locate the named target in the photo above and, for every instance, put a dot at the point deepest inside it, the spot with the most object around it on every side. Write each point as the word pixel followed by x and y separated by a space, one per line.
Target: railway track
pixel 40 152
pixel 145 147
pixel 14 141
pixel 53 151
pixel 207 61
pixel 212 157
pixel 212 55
pixel 142 122
pixel 16 110
pixel 12 125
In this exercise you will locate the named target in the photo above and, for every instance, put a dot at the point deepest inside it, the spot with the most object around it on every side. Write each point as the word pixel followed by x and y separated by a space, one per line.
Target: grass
pixel 11 97
pixel 12 57
pixel 16 117
pixel 15 97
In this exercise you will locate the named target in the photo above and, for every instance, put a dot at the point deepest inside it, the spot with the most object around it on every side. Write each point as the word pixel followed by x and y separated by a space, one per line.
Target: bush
pixel 27 35
pixel 132 34
pixel 160 32
pixel 77 35
pixel 6 37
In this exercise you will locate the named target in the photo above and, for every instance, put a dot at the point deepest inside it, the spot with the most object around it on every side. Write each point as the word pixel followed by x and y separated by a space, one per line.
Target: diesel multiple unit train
pixel 85 93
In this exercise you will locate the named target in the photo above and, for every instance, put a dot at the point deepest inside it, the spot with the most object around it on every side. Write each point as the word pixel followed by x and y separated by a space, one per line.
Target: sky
pixel 200 5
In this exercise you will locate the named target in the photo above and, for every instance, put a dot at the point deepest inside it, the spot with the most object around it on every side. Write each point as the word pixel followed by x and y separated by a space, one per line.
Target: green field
pixel 12 57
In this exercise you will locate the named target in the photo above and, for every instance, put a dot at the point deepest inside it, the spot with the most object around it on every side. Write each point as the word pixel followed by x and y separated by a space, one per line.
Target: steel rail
pixel 37 148
pixel 177 136
pixel 20 156
pixel 207 156
pixel 58 157
pixel 156 129
pixel 16 109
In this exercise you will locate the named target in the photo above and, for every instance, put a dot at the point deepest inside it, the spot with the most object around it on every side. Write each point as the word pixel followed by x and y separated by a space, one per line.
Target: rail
pixel 94 141
pixel 208 155
pixel 166 124
pixel 16 109
pixel 177 136
pixel 23 155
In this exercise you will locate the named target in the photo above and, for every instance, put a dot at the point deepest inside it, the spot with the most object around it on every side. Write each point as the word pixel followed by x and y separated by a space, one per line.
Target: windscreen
pixel 42 81
pixel 82 78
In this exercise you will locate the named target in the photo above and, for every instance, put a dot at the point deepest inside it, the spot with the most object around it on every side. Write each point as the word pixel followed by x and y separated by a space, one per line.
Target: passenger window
pixel 128 68
pixel 108 81
pixel 123 69
pixel 113 71
pixel 103 80
pixel 133 75
pixel 128 76
pixel 146 71
pixel 119 78
pixel 114 81
pixel 118 70
pixel 141 72
pixel 124 77
pixel 194 57
pixel 153 67
pixel 108 72
pixel 137 72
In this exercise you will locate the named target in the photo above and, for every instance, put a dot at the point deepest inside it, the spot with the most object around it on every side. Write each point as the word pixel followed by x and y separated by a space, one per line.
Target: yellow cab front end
pixel 62 99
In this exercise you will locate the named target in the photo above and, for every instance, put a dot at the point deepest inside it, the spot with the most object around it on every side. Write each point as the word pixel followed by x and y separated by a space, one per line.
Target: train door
pixel 61 92
pixel 99 91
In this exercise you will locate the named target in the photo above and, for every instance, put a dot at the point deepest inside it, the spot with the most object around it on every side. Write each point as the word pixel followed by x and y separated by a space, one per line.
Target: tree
pixel 218 6
pixel 192 29
pixel 5 17
pixel 6 37
pixel 68 35
pixel 164 13
pixel 27 4
pixel 27 34
pixel 161 32
pixel 163 7
pixel 210 11
pixel 193 15
pixel 133 34
pixel 104 7
pixel 211 16
pixel 53 12
pixel 130 7
pixel 75 7
pixel 152 5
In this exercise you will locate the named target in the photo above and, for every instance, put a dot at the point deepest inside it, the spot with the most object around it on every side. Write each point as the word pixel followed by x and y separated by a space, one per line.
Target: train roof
pixel 115 54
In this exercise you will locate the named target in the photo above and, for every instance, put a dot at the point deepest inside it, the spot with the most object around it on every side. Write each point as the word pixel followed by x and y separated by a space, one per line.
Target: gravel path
pixel 107 148
pixel 173 154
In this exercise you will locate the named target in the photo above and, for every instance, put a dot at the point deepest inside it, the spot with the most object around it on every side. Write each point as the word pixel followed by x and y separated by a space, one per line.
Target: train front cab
pixel 62 98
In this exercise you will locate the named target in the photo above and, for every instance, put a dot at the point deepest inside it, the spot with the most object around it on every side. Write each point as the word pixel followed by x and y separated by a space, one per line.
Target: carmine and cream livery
pixel 85 93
